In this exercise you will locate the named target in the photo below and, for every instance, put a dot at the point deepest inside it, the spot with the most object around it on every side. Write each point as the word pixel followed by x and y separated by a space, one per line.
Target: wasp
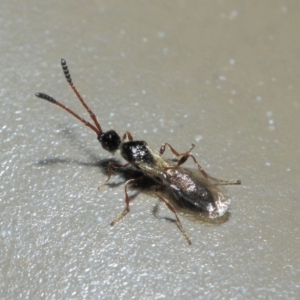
pixel 197 192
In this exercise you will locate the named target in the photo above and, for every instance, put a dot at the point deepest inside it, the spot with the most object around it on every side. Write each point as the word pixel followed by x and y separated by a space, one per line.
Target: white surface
pixel 223 75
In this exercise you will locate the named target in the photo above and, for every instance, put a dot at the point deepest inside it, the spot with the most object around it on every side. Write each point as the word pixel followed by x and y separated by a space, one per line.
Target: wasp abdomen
pixel 189 193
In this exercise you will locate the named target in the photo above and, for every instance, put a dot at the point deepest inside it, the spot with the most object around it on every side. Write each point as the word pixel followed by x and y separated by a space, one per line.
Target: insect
pixel 194 191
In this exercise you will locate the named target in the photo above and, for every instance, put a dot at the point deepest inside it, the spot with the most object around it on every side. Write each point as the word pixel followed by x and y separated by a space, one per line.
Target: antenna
pixel 52 100
pixel 69 79
pixel 46 97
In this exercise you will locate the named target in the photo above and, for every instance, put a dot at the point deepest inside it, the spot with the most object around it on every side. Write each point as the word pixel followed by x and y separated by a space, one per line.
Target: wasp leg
pixel 163 148
pixel 127 135
pixel 184 158
pixel 178 223
pixel 110 169
pixel 126 209
pixel 226 182
pixel 186 155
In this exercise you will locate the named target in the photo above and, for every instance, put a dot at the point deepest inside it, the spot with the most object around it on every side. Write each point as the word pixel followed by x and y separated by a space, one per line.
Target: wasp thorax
pixel 109 140
pixel 136 152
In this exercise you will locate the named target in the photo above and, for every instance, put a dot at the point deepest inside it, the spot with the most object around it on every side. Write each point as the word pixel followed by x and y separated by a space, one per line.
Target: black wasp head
pixel 109 140
pixel 136 152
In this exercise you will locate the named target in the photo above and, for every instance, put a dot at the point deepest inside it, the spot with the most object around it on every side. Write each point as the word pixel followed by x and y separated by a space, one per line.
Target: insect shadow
pixel 68 133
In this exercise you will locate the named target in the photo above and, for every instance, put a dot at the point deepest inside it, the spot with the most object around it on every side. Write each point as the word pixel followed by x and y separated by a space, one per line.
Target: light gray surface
pixel 221 74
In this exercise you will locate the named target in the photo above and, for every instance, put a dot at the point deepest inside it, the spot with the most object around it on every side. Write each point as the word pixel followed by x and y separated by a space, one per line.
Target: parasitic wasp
pixel 197 192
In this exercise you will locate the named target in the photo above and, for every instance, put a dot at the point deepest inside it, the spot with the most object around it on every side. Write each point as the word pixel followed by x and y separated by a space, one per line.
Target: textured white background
pixel 221 74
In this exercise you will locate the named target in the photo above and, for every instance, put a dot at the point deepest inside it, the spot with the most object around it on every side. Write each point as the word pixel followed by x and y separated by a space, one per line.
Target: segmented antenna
pixel 69 79
pixel 52 100
pixel 65 68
